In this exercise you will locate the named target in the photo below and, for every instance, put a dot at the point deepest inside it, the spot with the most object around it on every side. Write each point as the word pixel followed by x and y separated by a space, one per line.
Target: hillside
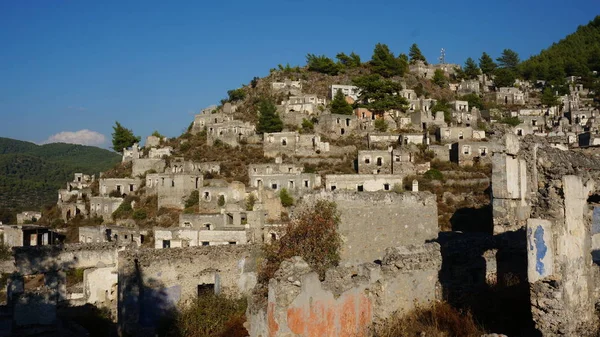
pixel 31 174
pixel 576 55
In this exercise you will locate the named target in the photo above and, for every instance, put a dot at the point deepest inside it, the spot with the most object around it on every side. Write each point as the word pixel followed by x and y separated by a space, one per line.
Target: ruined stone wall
pixel 371 222
pixel 42 259
pixel 141 166
pixel 364 182
pixel 349 300
pixel 122 185
pixel 104 206
pixel 152 282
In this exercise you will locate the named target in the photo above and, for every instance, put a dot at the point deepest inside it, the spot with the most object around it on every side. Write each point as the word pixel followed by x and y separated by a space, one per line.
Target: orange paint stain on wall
pixel 271 321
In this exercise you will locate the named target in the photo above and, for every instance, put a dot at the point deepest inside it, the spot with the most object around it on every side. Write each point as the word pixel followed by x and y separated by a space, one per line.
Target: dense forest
pixel 31 174
pixel 578 54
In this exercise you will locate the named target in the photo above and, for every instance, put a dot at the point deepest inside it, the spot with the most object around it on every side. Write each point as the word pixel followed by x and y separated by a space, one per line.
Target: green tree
pixel 236 95
pixel 379 94
pixel 442 105
pixel 339 104
pixel 286 199
pixel 380 125
pixel 549 99
pixel 439 78
pixel 509 60
pixel 471 70
pixel 157 134
pixel 268 120
pixel 474 100
pixel 322 64
pixel 384 63
pixel 352 61
pixel 487 65
pixel 123 138
pixel 504 77
pixel 415 54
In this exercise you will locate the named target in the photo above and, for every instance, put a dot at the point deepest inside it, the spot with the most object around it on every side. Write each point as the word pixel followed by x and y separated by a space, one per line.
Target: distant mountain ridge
pixel 31 174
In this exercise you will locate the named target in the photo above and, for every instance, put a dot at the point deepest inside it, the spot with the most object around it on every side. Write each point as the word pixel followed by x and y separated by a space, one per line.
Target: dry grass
pixel 121 170
pixel 439 320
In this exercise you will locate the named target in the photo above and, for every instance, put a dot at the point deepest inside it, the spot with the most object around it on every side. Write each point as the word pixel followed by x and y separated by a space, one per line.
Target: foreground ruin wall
pixel 561 271
pixel 152 282
pixel 350 299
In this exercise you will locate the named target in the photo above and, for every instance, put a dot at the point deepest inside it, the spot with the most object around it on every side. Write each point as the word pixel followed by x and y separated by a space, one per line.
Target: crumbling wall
pixel 350 299
pixel 153 281
pixel 371 222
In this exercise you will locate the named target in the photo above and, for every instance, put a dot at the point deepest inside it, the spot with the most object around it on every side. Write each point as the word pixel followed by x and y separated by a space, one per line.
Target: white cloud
pixel 83 137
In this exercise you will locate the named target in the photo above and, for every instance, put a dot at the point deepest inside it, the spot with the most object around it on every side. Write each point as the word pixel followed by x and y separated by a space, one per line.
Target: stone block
pixel 511 141
pixel 509 214
pixel 505 177
pixel 540 249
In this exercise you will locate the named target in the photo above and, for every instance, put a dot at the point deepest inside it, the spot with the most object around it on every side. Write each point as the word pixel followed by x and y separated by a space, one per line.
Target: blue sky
pixel 68 66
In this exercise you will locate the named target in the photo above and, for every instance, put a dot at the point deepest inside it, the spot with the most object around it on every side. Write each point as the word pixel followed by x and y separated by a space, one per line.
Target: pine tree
pixel 504 78
pixel 339 104
pixel 509 59
pixel 123 138
pixel 352 61
pixel 487 65
pixel 549 99
pixel 269 120
pixel 439 78
pixel 384 63
pixel 415 54
pixel 471 70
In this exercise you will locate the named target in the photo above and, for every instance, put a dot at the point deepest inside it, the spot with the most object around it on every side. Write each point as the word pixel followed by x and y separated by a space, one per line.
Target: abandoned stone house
pixel 71 202
pixel 469 87
pixel 81 181
pixel 414 138
pixel 180 165
pixel 509 95
pixel 131 153
pixel 348 91
pixel 305 104
pixel 140 166
pixel 202 121
pixel 104 206
pixel 28 235
pixel 424 120
pixel 441 152
pixel 531 125
pixel 214 194
pixel 391 161
pixel 154 141
pixel 231 132
pixel 172 188
pixel 293 144
pixel 362 182
pixel 335 126
pixel 119 186
pixel 28 216
pixel 118 234
pixel 454 133
pixel 176 237
pixel 466 118
pixel 278 176
pixel 158 153
pixel 459 106
pixel 293 87
pixel 470 152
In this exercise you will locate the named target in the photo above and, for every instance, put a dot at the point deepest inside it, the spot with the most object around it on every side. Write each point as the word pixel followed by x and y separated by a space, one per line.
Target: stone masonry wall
pixel 153 281
pixel 349 300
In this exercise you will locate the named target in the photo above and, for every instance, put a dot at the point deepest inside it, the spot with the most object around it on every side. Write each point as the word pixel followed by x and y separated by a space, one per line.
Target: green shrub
pixel 250 201
pixel 380 125
pixel 512 121
pixel 193 199
pixel 434 174
pixel 115 194
pixel 312 235
pixel 74 276
pixel 139 214
pixel 286 198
